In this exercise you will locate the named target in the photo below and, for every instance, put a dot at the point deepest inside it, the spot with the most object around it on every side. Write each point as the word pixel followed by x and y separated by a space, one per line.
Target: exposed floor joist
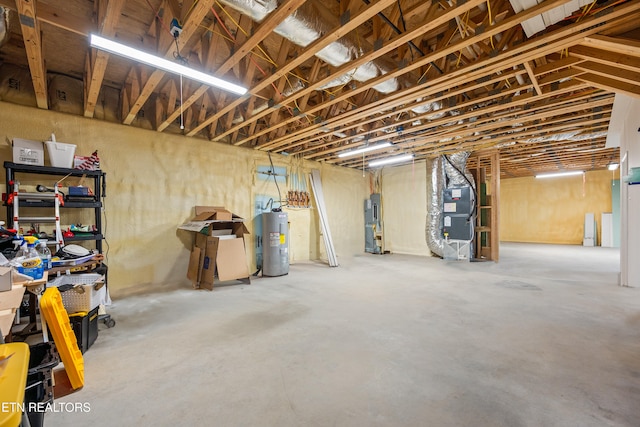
pixel 439 76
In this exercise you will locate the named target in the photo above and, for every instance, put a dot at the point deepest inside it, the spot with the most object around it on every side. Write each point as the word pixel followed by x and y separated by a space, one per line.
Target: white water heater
pixel 275 244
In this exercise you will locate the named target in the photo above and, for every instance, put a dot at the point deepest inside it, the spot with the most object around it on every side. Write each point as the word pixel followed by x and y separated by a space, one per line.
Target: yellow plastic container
pixel 13 380
pixel 58 321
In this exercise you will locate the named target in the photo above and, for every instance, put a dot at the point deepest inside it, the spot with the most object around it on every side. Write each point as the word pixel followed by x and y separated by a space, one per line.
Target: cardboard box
pixel 10 301
pixel 5 279
pixel 219 248
pixel 28 152
pixel 204 213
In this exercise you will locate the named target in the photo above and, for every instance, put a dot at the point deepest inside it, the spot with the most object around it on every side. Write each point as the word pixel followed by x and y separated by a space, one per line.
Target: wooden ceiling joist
pixel 33 45
pixel 560 37
pixel 443 16
pixel 335 34
pixel 260 33
pixel 626 62
pixel 191 23
pixel 468 77
pixel 622 46
pixel 553 42
pixel 96 64
pixel 611 84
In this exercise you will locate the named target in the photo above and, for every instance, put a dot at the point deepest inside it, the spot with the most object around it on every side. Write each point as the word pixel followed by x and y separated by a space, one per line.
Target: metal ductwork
pixel 435 184
pixel 307 24
pixel 443 173
pixel 430 107
pixel 457 163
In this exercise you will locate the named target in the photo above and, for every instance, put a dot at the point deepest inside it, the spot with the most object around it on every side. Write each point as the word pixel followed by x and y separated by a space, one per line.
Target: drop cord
pixel 273 172
pixel 181 111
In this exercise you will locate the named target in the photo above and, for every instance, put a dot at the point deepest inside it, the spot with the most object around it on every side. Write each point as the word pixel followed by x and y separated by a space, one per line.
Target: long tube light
pixel 613 166
pixel 364 149
pixel 390 160
pixel 559 174
pixel 163 64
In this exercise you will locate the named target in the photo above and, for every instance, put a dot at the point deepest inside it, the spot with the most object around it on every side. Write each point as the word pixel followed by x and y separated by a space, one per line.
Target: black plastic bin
pixel 43 358
pixel 85 328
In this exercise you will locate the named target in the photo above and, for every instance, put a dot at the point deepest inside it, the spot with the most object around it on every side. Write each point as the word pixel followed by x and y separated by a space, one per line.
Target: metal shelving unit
pixel 98 179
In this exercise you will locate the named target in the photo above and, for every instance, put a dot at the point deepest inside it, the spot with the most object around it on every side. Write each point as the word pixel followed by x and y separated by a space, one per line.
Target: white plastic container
pixel 85 299
pixel 60 154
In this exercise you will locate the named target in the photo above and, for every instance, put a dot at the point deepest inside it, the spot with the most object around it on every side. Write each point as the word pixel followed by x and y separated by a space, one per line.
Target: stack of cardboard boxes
pixel 10 299
pixel 219 247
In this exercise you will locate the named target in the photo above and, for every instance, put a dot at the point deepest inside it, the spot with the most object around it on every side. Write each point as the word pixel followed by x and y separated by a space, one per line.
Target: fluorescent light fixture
pixel 390 160
pixel 364 149
pixel 613 166
pixel 163 64
pixel 559 174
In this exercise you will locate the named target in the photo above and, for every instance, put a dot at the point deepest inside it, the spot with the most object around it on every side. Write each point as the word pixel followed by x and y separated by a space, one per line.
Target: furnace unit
pixel 373 225
pixel 457 222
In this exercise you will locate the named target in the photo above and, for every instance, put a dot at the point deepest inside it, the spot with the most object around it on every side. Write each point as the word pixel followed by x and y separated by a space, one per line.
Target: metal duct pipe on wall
pixel 456 164
pixel 435 184
pixel 443 173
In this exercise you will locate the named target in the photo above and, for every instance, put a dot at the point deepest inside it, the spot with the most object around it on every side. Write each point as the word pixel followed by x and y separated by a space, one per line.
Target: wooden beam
pixel 559 38
pixel 611 85
pixel 191 23
pixel 560 107
pixel 625 76
pixel 348 122
pixel 331 36
pixel 261 32
pixel 399 40
pixel 627 62
pixel 51 15
pixel 430 58
pixel 532 77
pixel 614 44
pixel 33 45
pixel 97 60
pixel 556 65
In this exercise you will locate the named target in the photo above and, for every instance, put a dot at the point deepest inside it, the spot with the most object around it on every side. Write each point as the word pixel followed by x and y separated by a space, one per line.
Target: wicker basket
pixel 74 300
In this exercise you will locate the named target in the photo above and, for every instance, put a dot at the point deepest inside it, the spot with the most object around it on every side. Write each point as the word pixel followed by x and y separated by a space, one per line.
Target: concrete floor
pixel 544 338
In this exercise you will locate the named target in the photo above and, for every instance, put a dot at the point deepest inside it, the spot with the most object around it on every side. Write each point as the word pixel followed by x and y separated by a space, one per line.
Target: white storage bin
pixel 60 154
pixel 28 152
pixel 75 300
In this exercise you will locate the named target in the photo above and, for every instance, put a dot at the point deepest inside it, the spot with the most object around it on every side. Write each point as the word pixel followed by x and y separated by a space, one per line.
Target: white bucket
pixel 60 154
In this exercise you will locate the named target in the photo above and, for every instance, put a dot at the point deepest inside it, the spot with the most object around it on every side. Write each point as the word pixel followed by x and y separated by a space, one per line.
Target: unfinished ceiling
pixel 324 77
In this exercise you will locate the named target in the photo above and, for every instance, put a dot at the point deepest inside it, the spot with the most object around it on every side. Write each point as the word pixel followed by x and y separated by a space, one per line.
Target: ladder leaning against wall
pixel 55 197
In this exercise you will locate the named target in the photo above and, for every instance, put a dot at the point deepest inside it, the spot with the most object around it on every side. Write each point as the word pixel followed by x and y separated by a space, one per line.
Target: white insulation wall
pixel 404 209
pixel 155 179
